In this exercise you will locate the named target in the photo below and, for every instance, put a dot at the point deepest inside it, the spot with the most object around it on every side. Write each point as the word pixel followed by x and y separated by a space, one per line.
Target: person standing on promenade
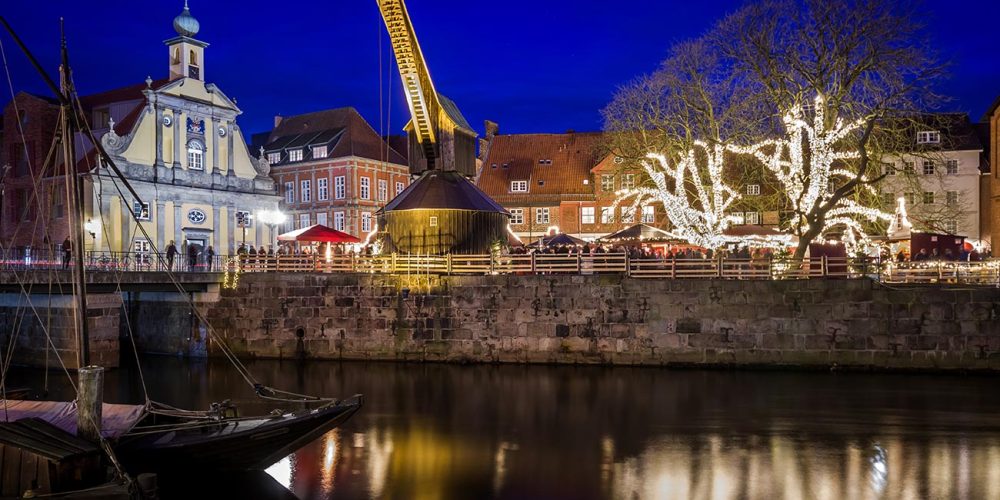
pixel 67 248
pixel 171 253
pixel 209 258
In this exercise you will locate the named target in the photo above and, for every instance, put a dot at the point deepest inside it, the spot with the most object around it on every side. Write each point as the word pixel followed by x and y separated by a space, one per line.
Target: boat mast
pixel 76 190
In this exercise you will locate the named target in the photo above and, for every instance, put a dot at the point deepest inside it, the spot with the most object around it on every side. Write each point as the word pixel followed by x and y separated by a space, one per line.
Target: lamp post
pixel 273 218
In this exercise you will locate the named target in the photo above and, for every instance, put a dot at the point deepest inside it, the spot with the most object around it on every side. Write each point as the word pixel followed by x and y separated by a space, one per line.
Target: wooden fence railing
pixel 985 272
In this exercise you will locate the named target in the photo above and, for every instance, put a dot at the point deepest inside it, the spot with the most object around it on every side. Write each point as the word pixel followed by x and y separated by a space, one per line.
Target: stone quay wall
pixel 25 320
pixel 600 319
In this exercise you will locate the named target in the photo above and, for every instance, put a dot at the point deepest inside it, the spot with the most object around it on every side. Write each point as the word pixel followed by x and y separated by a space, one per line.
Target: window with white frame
pixel 306 192
pixel 295 155
pixel 400 187
pixel 518 186
pixel 383 190
pixel 141 210
pixel 141 246
pixel 587 215
pixel 607 215
pixel 274 158
pixel 322 190
pixel 648 215
pixel 289 192
pixel 366 193
pixel 243 218
pixel 951 198
pixel 928 137
pixel 928 167
pixel 951 227
pixel 607 183
pixel 319 152
pixel 928 197
pixel 908 167
pixel 303 220
pixel 628 213
pixel 196 155
pixel 951 167
pixel 338 187
pixel 338 221
pixel 739 220
pixel 753 189
pixel 432 221
pixel 628 181
pixel 366 222
pixel 516 216
pixel 752 217
pixel 322 219
pixel 541 216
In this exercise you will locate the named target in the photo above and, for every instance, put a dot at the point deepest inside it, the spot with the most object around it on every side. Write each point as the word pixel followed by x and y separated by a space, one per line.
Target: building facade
pixel 940 178
pixel 177 143
pixel 332 168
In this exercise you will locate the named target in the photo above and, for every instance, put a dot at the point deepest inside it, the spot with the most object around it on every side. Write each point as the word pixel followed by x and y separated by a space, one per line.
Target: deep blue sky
pixel 531 65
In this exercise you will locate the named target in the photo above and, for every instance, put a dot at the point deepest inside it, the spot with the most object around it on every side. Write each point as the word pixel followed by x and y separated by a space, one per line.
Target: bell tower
pixel 187 55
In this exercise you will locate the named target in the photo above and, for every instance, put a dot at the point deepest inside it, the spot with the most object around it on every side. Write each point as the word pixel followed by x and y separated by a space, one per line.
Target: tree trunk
pixel 807 237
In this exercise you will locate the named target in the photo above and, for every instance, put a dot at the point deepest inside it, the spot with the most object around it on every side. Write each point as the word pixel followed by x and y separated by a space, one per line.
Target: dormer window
pixel 545 162
pixel 319 151
pixel 295 155
pixel 518 186
pixel 928 137
pixel 274 158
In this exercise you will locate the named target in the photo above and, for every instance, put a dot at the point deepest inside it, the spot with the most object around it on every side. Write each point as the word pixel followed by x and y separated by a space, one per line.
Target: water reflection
pixel 437 431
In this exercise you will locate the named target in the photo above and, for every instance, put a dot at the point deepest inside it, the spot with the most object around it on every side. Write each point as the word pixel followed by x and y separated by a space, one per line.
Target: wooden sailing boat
pixel 155 437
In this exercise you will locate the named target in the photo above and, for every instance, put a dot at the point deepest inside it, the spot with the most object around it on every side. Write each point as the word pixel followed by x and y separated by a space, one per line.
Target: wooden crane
pixel 439 136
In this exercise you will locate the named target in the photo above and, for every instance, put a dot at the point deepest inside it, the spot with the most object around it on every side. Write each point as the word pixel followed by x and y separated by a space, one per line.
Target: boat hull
pixel 233 444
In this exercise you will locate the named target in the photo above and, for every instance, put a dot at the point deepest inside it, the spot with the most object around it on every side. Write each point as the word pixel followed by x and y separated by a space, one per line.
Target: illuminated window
pixel 648 215
pixel 338 187
pixel 303 220
pixel 366 222
pixel 541 216
pixel 753 189
pixel 587 215
pixel 295 155
pixel 400 187
pixel 518 186
pixel 322 191
pixel 607 215
pixel 628 181
pixel 366 193
pixel 951 227
pixel 196 155
pixel 607 183
pixel 306 194
pixel 752 217
pixel 516 216
pixel 433 222
pixel 274 158
pixel 928 137
pixel 319 152
pixel 628 215
pixel 338 221
pixel 321 219
pixel 141 210
pixel 289 192
pixel 383 190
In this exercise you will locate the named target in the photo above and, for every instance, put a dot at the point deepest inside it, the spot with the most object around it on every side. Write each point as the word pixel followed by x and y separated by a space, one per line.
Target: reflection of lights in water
pixel 282 471
pixel 879 475
pixel 359 440
pixel 379 458
pixel 331 443
pixel 500 465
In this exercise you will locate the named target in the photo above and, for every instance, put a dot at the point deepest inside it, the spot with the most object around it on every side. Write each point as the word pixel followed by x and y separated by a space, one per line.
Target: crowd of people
pixel 922 255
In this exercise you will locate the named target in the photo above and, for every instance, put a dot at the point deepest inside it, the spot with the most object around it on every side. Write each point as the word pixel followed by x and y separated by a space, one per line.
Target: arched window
pixel 196 155
pixel 194 58
pixel 177 56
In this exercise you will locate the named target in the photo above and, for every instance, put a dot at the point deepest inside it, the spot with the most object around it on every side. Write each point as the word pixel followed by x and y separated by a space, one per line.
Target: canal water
pixel 433 431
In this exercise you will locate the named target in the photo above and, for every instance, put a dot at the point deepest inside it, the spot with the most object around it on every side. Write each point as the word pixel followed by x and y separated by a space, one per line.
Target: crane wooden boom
pixel 422 99
pixel 439 135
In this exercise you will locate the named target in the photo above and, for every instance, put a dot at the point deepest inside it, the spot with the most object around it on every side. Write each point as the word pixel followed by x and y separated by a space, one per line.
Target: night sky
pixel 531 65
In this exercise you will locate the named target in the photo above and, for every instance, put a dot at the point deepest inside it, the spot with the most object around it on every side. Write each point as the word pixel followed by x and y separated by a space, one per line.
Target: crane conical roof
pixel 443 190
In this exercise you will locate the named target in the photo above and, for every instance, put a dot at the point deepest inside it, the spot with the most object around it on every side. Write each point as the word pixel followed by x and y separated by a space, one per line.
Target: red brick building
pixel 332 168
pixel 560 180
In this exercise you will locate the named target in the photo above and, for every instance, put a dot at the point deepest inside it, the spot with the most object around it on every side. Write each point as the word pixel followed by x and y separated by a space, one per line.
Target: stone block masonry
pixel 599 320
pixel 25 322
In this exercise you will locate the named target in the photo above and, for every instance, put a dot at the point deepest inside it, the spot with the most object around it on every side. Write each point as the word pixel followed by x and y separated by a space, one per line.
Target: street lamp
pixel 93 228
pixel 272 218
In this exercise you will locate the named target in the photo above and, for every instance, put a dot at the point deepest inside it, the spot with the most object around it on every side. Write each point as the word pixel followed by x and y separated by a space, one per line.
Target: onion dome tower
pixel 187 55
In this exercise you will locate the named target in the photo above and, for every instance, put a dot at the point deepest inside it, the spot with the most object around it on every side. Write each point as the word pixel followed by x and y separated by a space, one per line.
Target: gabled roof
pixel 555 166
pixel 451 109
pixel 343 130
pixel 957 132
pixel 440 189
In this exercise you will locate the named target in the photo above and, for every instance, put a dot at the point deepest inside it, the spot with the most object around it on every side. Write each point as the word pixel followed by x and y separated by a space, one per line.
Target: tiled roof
pixel 555 166
pixel 122 127
pixel 343 130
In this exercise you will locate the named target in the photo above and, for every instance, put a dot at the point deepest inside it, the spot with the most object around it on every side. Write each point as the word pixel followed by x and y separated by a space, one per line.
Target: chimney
pixel 492 128
pixel 277 120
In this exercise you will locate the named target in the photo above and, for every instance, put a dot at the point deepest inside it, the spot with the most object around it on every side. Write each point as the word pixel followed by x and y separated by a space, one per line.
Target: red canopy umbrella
pixel 318 232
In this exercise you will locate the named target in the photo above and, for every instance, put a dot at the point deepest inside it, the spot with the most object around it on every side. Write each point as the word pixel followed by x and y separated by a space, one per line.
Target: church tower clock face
pixel 196 216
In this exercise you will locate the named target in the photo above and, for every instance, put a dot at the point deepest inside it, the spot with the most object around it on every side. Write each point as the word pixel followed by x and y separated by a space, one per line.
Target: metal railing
pixel 985 272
